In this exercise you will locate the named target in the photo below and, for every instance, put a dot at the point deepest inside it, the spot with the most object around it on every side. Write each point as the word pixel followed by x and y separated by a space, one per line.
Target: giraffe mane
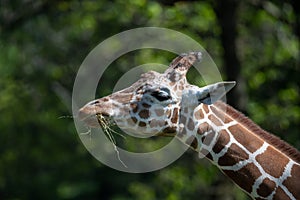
pixel 275 141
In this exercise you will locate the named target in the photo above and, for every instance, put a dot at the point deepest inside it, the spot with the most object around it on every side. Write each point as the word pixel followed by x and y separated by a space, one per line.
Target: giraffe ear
pixel 214 92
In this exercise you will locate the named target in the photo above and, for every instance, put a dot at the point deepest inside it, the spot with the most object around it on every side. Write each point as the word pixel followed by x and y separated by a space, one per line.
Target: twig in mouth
pixel 108 131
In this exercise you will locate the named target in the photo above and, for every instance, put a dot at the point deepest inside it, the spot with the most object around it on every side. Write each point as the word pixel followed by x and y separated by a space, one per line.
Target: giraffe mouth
pixel 91 117
pixel 97 120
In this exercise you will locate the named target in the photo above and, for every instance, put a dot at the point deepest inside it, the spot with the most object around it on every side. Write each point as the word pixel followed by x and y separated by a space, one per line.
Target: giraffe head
pixel 153 104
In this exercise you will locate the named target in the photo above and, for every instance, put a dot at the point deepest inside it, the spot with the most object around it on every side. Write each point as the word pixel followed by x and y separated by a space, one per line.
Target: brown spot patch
pixel 156 123
pixel 192 141
pixel 182 119
pixel 203 128
pixel 170 130
pixel 174 77
pixel 144 114
pixel 245 177
pixel 208 138
pixel 209 156
pixel 159 112
pixel 142 124
pixel 134 107
pixel 174 118
pixel 153 123
pixel 180 87
pixel 199 115
pixel 133 119
pixel 292 182
pixel 205 108
pixel 191 124
pixel 280 194
pixel 215 120
pixel 272 156
pixel 223 139
pixel 233 155
pixel 244 137
pixel 221 114
pixel 266 187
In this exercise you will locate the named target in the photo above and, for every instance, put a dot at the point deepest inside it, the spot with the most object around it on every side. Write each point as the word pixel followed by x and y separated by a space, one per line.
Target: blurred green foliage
pixel 42 45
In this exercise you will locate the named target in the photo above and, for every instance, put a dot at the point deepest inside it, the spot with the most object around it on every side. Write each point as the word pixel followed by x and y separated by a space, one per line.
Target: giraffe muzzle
pixel 90 112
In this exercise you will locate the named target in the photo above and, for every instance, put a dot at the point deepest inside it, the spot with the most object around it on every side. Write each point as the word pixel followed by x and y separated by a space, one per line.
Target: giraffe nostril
pixel 93 102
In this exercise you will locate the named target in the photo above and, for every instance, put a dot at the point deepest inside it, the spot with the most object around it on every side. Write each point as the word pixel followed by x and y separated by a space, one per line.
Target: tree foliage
pixel 42 45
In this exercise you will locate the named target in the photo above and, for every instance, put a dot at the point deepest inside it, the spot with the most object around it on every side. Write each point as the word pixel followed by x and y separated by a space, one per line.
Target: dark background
pixel 42 45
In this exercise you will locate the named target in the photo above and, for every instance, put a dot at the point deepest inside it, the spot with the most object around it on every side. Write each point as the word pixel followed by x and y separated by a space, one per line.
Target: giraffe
pixel 261 164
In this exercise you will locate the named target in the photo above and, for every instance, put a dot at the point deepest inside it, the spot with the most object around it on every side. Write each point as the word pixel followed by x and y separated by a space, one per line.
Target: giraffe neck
pixel 260 163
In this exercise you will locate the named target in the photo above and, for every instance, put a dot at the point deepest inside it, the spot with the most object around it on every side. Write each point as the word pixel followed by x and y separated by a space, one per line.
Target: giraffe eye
pixel 161 95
